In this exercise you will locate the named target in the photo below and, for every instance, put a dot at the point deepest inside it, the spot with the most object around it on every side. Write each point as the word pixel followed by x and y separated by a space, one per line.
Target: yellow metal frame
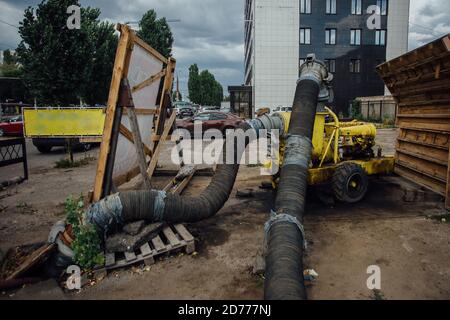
pixel 375 166
pixel 326 150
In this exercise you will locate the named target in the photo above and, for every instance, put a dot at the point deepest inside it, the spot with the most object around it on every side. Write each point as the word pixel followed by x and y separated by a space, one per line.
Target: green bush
pixel 87 246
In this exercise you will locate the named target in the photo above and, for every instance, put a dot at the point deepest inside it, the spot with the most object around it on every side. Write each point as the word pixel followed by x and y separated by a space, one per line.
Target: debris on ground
pixel 125 242
pixel 310 275
pixel 134 228
pixel 245 193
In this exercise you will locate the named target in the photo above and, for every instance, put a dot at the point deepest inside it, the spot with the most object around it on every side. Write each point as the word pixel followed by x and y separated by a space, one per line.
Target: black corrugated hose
pixel 284 231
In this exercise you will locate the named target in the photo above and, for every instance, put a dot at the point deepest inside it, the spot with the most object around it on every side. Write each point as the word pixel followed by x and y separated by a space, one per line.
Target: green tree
pixel 204 89
pixel 60 66
pixel 156 32
pixel 194 85
pixel 9 67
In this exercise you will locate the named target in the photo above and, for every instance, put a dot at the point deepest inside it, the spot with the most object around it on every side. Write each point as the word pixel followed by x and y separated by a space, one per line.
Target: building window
pixel 302 61
pixel 380 37
pixel 305 36
pixel 331 7
pixel 382 4
pixel 330 36
pixel 355 37
pixel 305 6
pixel 357 7
pixel 331 65
pixel 355 66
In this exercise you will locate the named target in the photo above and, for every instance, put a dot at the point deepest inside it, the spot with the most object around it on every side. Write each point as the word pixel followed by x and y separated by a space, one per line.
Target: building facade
pixel 280 34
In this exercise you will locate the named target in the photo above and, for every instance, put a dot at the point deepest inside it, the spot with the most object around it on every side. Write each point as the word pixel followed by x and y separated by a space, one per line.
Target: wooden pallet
pixel 171 239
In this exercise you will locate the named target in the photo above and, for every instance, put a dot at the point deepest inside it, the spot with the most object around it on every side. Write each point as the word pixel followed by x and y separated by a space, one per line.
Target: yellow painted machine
pixel 343 155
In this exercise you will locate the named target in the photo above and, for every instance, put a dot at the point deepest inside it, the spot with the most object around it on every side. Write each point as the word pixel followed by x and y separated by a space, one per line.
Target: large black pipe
pixel 112 212
pixel 285 239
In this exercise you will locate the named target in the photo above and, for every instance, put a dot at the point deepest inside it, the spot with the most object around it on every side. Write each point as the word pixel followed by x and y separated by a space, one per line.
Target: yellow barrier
pixel 63 122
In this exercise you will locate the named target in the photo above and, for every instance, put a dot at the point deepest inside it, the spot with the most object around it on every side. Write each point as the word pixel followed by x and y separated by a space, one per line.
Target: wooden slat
pixel 146 250
pixel 158 244
pixel 171 237
pixel 120 68
pixel 182 231
pixel 148 48
pixel 144 112
pixel 149 81
pixel 34 258
pixel 139 146
pixel 129 136
pixel 110 259
pixel 423 180
pixel 154 161
pixel 130 256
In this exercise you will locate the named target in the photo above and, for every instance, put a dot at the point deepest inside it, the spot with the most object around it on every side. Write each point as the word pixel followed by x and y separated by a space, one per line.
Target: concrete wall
pixel 398 30
pixel 275 69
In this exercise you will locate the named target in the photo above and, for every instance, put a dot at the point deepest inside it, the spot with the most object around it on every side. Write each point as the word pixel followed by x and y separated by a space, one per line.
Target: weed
pixel 67 164
pixel 87 244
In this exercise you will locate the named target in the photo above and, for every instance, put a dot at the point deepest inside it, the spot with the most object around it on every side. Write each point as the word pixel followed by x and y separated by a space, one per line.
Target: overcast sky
pixel 210 32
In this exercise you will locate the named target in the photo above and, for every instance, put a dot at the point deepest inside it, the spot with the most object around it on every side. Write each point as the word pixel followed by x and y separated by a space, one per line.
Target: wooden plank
pixel 157 151
pixel 129 136
pixel 428 153
pixel 158 244
pixel 148 48
pixel 167 87
pixel 139 147
pixel 33 259
pixel 423 180
pixel 149 81
pixel 120 68
pixel 144 112
pixel 130 256
pixel 171 237
pixel 447 189
pixel 446 42
pixel 146 250
pixel 110 259
pixel 184 233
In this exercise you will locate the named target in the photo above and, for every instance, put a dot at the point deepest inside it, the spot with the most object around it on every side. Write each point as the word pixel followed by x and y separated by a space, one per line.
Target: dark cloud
pixel 211 31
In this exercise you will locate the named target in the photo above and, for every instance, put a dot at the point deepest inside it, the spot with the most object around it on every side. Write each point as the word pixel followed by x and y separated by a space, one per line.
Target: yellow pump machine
pixel 343 155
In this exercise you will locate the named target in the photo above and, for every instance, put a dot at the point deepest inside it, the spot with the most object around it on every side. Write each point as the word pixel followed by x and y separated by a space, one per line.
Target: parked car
pixel 185 112
pixel 211 120
pixel 45 145
pixel 283 109
pixel 209 108
pixel 12 126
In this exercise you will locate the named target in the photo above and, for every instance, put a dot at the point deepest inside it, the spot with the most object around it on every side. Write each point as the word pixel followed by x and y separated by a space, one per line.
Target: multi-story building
pixel 280 34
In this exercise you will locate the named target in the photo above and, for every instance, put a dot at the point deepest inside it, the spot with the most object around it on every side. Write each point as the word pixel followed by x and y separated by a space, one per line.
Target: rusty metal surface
pixel 420 83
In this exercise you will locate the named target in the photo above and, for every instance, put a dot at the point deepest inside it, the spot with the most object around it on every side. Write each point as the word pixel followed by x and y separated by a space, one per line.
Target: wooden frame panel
pixel 128 39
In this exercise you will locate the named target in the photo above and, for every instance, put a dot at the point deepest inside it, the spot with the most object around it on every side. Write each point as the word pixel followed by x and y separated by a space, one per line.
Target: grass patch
pixel 378 295
pixel 67 164
pixel 444 218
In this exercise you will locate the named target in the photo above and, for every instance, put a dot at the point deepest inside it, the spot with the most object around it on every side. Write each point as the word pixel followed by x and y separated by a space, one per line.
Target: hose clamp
pixel 277 218
pixel 298 151
pixel 159 206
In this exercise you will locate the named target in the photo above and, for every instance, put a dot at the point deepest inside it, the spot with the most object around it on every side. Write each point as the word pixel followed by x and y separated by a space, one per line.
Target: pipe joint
pixel 284 218
pixel 298 151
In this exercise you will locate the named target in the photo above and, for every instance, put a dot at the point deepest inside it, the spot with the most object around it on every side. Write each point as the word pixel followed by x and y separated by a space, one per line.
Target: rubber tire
pixel 44 149
pixel 86 147
pixel 341 180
